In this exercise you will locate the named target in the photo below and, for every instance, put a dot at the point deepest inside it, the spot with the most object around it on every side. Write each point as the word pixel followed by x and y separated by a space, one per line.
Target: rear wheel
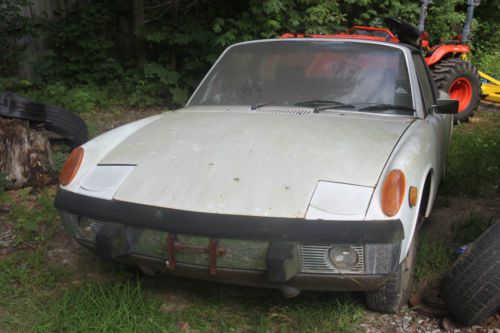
pixel 462 82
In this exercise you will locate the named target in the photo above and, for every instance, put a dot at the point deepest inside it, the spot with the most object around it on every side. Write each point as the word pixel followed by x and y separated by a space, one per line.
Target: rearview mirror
pixel 447 106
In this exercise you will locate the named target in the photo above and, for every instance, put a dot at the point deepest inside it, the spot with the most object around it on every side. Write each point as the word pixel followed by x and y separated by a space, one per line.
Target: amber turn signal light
pixel 412 196
pixel 71 166
pixel 393 192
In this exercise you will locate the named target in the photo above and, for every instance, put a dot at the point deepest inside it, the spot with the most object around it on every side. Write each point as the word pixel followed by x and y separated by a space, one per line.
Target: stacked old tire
pixel 29 137
pixel 455 71
pixel 54 119
pixel 471 288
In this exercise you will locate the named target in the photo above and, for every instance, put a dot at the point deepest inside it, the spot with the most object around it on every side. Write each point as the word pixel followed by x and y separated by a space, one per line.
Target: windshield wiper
pixel 261 105
pixel 323 104
pixel 386 107
pixel 316 104
pixel 275 103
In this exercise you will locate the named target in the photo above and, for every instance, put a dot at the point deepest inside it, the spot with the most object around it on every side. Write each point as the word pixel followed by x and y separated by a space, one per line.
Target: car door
pixel 438 126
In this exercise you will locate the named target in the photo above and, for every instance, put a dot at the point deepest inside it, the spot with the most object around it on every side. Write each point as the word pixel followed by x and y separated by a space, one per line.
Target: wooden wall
pixel 50 9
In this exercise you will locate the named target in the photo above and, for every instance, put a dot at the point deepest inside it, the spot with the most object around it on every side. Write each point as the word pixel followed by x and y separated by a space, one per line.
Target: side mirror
pixel 447 106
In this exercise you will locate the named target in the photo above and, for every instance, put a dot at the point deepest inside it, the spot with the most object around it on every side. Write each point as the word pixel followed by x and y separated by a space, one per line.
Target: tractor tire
pixel 471 288
pixel 461 80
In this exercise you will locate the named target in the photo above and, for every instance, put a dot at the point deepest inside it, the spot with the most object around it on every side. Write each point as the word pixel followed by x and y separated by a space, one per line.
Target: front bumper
pixel 301 281
pixel 272 253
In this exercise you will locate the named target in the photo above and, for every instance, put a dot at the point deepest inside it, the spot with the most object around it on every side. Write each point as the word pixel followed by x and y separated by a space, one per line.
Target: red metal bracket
pixel 212 250
pixel 212 256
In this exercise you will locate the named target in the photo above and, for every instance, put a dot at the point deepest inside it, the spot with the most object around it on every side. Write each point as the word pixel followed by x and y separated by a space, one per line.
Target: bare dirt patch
pixel 100 122
pixel 449 211
pixel 63 251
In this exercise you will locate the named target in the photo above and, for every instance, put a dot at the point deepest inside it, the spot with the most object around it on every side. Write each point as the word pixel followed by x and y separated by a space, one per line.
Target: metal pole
pixel 471 4
pixel 424 5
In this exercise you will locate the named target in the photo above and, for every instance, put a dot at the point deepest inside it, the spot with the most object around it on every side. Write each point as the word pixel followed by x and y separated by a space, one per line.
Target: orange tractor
pixel 447 62
pixel 450 69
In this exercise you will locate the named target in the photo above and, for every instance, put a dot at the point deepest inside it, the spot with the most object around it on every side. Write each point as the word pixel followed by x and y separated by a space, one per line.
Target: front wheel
pixel 391 296
pixel 461 80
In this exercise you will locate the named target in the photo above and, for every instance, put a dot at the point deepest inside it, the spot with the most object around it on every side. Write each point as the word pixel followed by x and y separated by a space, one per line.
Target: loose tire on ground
pixel 471 288
pixel 458 72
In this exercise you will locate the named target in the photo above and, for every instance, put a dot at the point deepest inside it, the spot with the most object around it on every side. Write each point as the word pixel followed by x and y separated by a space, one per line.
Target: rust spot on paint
pixel 236 179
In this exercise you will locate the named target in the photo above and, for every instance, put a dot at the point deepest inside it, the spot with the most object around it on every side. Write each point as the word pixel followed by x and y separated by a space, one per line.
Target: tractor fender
pixel 439 52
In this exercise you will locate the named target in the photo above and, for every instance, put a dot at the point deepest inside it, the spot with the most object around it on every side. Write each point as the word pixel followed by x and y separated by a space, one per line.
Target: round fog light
pixel 85 227
pixel 343 257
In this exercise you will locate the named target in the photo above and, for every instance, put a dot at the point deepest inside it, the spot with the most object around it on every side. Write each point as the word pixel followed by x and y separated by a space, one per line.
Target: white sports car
pixel 298 164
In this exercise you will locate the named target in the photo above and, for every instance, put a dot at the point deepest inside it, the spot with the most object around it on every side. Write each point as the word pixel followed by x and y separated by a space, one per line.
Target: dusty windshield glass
pixel 366 76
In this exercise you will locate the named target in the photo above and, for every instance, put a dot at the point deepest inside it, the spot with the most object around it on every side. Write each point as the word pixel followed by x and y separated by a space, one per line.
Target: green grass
pixel 32 215
pixel 25 277
pixel 433 258
pixel 117 307
pixel 473 166
pixel 46 299
pixel 131 307
pixel 471 228
pixel 25 273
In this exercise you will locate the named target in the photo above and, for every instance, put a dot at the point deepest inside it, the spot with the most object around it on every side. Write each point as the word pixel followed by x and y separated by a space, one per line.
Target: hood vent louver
pixel 287 110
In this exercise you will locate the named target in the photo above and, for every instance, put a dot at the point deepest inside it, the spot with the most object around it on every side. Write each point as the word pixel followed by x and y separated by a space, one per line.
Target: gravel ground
pixel 411 321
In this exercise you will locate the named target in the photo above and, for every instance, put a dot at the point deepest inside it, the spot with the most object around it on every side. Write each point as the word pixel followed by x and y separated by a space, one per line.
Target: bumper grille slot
pixel 315 259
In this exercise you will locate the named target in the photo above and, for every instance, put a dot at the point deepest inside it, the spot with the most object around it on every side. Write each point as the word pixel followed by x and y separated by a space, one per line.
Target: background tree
pixel 140 53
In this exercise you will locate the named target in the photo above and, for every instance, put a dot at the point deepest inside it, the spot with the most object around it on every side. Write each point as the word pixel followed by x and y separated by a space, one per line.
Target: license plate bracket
pixel 212 249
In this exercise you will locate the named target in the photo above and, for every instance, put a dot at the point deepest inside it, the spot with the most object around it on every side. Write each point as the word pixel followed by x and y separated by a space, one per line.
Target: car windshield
pixel 360 76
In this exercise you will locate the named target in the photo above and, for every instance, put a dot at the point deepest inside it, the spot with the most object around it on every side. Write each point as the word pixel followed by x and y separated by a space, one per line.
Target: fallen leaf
pixel 183 325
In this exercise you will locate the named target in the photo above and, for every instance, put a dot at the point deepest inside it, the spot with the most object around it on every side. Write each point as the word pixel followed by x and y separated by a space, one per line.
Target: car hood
pixel 248 163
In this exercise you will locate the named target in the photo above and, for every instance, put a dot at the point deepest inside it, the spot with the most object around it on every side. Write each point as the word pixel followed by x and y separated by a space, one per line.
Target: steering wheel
pixel 406 32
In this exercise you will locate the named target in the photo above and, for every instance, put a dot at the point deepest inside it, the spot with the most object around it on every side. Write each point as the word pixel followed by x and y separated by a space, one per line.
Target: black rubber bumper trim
pixel 301 281
pixel 230 226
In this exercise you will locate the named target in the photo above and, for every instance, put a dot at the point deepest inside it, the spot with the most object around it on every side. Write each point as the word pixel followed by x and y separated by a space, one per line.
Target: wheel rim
pixel 461 89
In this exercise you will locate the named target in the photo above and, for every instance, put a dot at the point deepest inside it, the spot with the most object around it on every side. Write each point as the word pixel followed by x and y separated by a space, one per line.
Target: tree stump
pixel 24 154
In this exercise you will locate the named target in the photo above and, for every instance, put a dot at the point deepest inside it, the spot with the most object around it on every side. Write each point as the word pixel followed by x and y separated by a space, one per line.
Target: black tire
pixel 447 71
pixel 393 294
pixel 55 119
pixel 471 288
